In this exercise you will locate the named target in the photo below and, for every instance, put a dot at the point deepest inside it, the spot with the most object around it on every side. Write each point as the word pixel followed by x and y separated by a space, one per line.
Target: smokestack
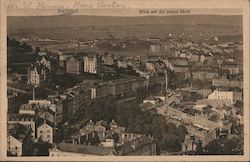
pixel 34 96
pixel 166 75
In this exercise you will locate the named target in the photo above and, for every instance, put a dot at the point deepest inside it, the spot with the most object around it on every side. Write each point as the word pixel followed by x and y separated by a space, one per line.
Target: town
pixel 174 94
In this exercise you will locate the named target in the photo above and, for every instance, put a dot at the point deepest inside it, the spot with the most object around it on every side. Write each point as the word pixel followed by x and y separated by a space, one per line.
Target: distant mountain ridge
pixel 26 22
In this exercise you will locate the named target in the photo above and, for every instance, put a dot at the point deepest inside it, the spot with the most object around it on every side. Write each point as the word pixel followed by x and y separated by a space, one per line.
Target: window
pixel 48 131
pixel 41 132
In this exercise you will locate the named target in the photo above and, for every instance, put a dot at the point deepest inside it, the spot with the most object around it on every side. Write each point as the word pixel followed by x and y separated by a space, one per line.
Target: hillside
pixel 34 22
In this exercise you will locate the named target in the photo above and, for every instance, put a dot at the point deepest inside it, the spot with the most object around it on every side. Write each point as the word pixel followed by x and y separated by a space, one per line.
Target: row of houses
pixel 78 63
pixel 224 82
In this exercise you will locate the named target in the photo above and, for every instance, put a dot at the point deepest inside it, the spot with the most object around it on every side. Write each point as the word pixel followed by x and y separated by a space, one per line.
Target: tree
pixel 115 137
pixel 225 146
pixel 26 47
pixel 37 50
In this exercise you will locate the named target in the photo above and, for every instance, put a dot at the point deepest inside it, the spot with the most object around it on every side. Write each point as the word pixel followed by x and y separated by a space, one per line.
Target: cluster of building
pixel 205 117
pixel 101 139
pixel 35 122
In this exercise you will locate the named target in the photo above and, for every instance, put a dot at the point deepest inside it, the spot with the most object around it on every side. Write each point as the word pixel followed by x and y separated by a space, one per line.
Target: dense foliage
pixel 167 135
pixel 231 145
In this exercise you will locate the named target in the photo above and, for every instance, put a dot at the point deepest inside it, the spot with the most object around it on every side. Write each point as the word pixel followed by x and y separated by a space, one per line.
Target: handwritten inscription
pixel 76 4
pixel 82 4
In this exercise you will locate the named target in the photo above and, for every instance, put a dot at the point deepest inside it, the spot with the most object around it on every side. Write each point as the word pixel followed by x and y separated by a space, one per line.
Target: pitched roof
pixel 21 117
pixel 150 98
pixel 41 121
pixel 85 149
pixel 19 131
pixel 133 145
pixel 27 107
pixel 102 123
pixel 147 105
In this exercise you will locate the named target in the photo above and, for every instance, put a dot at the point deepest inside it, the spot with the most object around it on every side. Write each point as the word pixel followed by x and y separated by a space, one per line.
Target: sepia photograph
pixel 157 82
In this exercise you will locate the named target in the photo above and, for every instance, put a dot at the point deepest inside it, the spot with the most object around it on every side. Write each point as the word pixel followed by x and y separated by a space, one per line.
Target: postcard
pixel 123 80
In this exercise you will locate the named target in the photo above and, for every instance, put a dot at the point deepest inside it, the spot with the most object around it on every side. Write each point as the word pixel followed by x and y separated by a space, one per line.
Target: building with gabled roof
pixel 45 131
pixel 18 139
pixel 24 119
pixel 69 149
pixel 143 145
pixel 74 65
pixel 91 64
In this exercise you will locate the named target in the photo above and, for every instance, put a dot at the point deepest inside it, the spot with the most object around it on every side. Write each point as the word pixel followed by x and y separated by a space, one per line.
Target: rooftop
pixel 21 117
pixel 133 145
pixel 18 131
pixel 85 149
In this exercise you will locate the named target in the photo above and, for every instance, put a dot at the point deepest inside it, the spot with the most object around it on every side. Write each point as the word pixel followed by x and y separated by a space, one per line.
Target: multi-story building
pixel 122 63
pixel 224 82
pixel 18 140
pixel 24 119
pixel 33 76
pixel 91 64
pixel 69 149
pixel 205 74
pixel 104 132
pixel 233 68
pixel 204 92
pixel 121 87
pixel 45 131
pixel 46 62
pixel 150 66
pixel 154 39
pixel 100 90
pixel 108 59
pixel 222 95
pixel 178 61
pixel 27 109
pixel 182 69
pixel 143 145
pixel 74 65
pixel 140 146
pixel 58 103
pixel 36 74
pixel 155 47
pixel 62 57
pixel 74 99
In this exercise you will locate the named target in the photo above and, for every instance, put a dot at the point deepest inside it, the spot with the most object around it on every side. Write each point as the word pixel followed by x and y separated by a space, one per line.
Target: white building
pixel 44 103
pixel 109 142
pixel 91 64
pixel 150 66
pixel 45 131
pixel 222 95
pixel 46 62
pixel 15 146
pixel 27 109
pixel 34 77
pixel 18 139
